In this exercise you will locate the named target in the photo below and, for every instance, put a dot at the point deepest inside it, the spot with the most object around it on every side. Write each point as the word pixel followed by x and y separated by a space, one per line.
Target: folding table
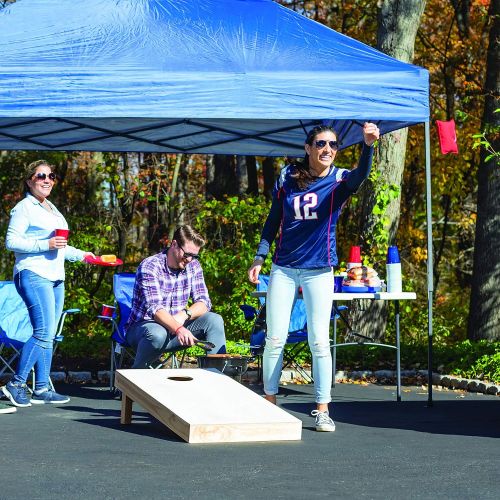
pixel 393 297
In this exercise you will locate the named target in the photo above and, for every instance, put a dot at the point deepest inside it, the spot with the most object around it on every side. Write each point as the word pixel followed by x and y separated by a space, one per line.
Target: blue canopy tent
pixel 245 77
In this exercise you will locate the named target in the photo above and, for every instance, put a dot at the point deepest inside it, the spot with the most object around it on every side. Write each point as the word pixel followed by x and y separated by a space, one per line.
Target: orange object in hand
pixel 108 258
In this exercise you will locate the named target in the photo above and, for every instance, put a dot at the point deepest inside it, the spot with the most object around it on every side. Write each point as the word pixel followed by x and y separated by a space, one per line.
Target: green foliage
pixel 240 347
pixel 467 359
pixel 472 360
pixel 234 226
pixel 87 288
pixel 481 140
pixel 378 240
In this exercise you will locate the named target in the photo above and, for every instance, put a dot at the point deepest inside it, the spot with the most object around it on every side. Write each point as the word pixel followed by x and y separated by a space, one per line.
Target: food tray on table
pixel 97 261
pixel 361 289
pixel 354 289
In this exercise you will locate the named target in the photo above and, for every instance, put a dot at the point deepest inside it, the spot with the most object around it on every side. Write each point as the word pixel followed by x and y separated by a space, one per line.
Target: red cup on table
pixel 107 311
pixel 355 255
pixel 63 232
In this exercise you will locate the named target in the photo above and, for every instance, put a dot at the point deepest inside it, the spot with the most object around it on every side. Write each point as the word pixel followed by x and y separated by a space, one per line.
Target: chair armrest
pixel 71 311
pixel 59 335
pixel 249 311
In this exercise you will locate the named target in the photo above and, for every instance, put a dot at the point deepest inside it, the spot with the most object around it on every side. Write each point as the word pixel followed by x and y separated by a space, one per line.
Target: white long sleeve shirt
pixel 30 228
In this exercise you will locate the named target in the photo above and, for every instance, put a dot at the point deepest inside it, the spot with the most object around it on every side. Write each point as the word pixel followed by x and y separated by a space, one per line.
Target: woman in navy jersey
pixel 307 200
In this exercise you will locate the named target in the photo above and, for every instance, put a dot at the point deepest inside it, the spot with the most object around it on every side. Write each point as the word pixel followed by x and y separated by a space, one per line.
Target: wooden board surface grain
pixel 205 406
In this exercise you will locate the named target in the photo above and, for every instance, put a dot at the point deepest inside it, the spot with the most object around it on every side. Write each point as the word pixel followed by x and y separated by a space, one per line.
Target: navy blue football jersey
pixel 304 222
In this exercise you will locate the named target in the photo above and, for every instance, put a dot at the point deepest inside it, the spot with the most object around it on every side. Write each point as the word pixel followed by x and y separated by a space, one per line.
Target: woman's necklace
pixel 45 204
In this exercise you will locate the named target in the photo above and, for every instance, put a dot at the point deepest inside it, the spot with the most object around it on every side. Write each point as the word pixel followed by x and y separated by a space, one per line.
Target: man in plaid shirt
pixel 161 318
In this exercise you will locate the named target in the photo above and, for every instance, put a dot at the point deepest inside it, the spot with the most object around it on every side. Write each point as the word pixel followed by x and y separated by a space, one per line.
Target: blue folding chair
pixel 121 351
pixel 296 341
pixel 16 329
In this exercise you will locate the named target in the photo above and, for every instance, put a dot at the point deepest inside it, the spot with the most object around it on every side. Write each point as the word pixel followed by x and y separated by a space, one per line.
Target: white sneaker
pixel 7 409
pixel 323 421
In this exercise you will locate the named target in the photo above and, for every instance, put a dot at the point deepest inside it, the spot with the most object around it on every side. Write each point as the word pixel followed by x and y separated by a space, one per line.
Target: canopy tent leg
pixel 430 265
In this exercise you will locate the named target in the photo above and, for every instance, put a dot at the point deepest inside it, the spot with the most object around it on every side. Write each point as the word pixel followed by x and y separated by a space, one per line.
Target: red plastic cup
pixel 107 311
pixel 63 232
pixel 355 255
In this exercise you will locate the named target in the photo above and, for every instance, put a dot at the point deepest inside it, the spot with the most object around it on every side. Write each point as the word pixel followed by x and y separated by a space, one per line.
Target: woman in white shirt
pixel 39 279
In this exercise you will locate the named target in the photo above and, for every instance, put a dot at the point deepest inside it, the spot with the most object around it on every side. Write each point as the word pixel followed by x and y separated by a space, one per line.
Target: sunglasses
pixel 41 176
pixel 188 255
pixel 321 144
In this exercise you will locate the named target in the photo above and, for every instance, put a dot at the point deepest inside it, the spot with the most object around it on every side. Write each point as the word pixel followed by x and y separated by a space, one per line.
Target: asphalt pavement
pixel 381 449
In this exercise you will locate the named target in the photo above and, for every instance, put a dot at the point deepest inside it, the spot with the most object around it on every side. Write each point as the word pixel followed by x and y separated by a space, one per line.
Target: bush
pixel 233 226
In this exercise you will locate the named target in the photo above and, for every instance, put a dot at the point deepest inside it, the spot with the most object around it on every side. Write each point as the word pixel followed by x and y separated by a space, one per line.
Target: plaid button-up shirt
pixel 159 287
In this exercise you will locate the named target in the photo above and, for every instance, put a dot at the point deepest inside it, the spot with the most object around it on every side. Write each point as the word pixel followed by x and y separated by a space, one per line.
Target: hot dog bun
pixel 108 258
pixel 374 282
pixel 361 272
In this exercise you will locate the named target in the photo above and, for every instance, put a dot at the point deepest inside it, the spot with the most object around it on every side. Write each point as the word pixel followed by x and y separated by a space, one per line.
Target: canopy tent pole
pixel 430 265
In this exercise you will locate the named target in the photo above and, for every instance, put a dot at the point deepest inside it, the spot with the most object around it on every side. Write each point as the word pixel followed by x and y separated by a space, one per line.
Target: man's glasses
pixel 188 255
pixel 41 176
pixel 321 144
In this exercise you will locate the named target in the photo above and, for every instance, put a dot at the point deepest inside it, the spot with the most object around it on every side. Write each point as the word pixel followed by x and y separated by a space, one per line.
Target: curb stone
pixel 79 377
pixel 291 376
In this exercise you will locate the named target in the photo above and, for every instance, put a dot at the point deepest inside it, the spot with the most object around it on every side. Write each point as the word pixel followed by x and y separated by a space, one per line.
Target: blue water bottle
pixel 393 268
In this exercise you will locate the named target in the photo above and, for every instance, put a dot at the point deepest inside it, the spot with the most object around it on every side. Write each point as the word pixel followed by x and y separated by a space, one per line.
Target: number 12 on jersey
pixel 305 212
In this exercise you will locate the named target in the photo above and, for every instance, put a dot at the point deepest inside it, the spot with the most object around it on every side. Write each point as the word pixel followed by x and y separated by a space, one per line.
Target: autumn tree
pixel 398 22
pixel 484 315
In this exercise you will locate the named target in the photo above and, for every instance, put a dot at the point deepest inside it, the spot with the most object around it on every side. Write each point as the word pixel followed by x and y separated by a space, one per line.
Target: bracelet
pixel 178 328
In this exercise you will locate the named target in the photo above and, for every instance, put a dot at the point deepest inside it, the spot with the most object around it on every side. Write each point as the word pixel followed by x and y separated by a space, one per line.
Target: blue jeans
pixel 317 290
pixel 44 300
pixel 150 339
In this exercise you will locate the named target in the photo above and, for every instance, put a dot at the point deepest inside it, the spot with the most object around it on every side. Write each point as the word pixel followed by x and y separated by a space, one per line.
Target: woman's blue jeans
pixel 44 300
pixel 317 291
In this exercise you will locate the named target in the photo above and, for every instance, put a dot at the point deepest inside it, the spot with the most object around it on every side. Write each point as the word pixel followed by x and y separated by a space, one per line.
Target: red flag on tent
pixel 447 136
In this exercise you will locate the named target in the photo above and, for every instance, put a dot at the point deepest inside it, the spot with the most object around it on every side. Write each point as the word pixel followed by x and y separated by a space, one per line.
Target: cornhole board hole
pixel 205 406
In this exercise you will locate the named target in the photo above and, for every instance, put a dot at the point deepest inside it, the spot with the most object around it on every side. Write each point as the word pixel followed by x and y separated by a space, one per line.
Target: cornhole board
pixel 205 406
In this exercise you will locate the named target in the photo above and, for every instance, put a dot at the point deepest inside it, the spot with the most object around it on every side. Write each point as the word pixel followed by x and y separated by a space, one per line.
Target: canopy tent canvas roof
pixel 245 77
pixel 206 76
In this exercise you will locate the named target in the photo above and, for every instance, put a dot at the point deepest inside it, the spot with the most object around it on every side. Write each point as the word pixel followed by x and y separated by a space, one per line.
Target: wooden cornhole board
pixel 209 407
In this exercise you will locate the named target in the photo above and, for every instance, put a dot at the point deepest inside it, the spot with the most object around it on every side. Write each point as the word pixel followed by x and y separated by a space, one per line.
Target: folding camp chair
pixel 296 341
pixel 16 329
pixel 121 351
pixel 297 336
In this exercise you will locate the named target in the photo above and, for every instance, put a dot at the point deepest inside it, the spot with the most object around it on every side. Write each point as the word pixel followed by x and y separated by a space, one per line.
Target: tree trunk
pixel 172 208
pixel 182 203
pixel 397 28
pixel 224 180
pixel 268 171
pixel 210 175
pixel 253 183
pixel 484 313
pixel 242 174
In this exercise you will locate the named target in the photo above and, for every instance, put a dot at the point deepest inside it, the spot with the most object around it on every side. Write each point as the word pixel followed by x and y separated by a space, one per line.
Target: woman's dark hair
pixel 300 169
pixel 187 233
pixel 30 171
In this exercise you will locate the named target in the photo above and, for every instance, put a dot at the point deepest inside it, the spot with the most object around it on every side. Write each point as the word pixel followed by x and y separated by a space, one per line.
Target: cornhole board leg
pixel 205 406
pixel 126 413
